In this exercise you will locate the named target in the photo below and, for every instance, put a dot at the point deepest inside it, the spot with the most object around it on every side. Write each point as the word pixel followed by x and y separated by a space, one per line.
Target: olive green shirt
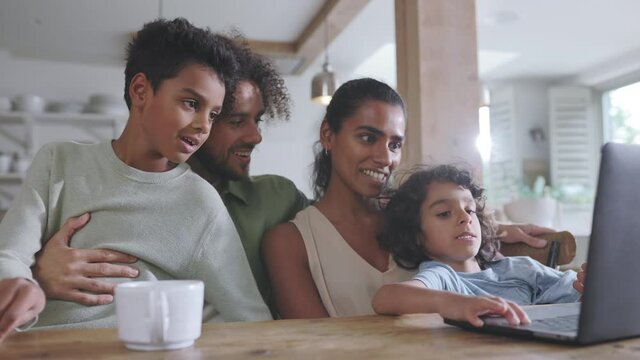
pixel 255 205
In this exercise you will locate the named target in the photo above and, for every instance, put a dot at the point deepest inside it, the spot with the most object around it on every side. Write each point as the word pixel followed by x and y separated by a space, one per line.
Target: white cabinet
pixel 518 110
pixel 574 137
pixel 22 134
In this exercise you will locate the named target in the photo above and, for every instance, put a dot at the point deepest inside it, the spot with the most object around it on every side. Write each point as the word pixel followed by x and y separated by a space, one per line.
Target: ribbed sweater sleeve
pixel 23 225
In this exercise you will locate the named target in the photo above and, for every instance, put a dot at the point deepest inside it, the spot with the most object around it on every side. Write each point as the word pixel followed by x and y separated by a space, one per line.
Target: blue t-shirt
pixel 516 278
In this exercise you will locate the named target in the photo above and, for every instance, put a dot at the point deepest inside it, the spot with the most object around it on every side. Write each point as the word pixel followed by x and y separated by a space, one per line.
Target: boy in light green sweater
pixel 142 198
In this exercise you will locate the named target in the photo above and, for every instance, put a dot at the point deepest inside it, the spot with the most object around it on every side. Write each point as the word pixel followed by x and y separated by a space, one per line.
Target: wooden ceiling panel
pixel 335 14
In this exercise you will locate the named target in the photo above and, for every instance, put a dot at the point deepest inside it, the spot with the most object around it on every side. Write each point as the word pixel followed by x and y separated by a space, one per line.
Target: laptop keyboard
pixel 567 323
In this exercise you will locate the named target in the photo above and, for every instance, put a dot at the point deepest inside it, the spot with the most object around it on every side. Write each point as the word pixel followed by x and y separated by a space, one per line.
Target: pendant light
pixel 485 95
pixel 323 84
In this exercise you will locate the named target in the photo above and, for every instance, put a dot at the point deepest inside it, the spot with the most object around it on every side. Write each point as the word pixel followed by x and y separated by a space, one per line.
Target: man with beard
pixel 255 203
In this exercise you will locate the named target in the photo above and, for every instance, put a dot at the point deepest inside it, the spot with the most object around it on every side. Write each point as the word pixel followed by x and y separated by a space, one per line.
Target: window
pixel 621 118
pixel 483 143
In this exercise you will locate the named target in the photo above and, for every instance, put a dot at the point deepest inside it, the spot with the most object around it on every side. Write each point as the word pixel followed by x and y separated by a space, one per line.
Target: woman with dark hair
pixel 327 262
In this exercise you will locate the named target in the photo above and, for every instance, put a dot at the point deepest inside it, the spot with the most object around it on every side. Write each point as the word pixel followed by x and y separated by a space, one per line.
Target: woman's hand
pixel 582 275
pixel 68 274
pixel 20 301
pixel 470 308
pixel 524 233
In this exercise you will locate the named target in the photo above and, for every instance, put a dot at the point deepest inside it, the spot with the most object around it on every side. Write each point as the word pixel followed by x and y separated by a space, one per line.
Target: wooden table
pixel 369 337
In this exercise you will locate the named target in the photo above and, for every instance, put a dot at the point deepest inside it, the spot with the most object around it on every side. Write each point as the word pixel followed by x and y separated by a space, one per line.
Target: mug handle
pixel 159 305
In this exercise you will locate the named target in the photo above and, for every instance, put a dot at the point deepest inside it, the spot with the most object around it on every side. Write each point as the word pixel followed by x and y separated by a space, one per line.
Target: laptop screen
pixel 612 288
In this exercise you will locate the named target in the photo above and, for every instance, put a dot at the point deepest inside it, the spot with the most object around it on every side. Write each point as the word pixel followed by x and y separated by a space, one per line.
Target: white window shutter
pixel 573 137
pixel 505 165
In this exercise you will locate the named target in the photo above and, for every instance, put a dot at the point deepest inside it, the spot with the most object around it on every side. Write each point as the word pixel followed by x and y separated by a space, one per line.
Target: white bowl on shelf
pixel 68 107
pixel 29 103
pixel 105 99
pixel 540 212
pixel 5 103
pixel 20 165
pixel 5 163
pixel 107 109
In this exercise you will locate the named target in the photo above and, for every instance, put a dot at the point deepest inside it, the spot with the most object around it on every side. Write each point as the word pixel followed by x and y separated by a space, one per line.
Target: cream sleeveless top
pixel 346 282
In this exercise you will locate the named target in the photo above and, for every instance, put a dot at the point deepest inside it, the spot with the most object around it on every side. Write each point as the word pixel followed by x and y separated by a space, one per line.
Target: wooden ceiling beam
pixel 273 47
pixel 335 14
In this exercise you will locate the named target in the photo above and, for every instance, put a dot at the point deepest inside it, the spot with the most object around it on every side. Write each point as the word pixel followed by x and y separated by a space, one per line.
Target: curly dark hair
pixel 261 71
pixel 164 47
pixel 400 235
pixel 344 103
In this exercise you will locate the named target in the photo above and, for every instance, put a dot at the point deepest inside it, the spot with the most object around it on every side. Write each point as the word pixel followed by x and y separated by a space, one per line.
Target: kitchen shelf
pixel 24 133
pixel 11 178
pixel 64 117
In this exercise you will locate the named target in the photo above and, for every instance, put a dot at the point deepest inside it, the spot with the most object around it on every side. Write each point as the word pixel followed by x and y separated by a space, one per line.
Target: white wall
pixel 531 110
pixel 286 148
pixel 58 81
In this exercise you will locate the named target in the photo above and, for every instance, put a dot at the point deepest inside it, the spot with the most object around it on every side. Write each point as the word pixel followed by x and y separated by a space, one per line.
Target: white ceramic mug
pixel 159 315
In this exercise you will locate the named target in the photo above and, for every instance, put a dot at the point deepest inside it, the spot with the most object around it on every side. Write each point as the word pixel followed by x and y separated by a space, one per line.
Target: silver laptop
pixel 610 304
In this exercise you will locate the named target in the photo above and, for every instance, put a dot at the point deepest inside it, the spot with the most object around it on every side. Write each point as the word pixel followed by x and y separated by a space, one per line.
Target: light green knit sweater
pixel 174 222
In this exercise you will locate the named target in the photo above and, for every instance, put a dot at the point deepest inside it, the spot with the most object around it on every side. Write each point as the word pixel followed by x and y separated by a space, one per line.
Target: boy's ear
pixel 326 135
pixel 139 89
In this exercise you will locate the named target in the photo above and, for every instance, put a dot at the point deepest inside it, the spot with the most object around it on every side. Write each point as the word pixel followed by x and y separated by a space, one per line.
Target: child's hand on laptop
pixel 471 308
pixel 579 283
pixel 20 301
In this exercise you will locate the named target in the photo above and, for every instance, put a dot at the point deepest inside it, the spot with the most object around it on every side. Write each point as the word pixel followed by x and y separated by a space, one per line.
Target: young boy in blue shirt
pixel 435 221
pixel 142 198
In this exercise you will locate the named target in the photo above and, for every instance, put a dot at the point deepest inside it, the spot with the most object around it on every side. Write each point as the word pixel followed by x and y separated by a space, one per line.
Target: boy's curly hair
pixel 402 216
pixel 164 47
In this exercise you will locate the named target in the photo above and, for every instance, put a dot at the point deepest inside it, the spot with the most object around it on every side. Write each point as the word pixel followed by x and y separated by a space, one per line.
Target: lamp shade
pixel 323 85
